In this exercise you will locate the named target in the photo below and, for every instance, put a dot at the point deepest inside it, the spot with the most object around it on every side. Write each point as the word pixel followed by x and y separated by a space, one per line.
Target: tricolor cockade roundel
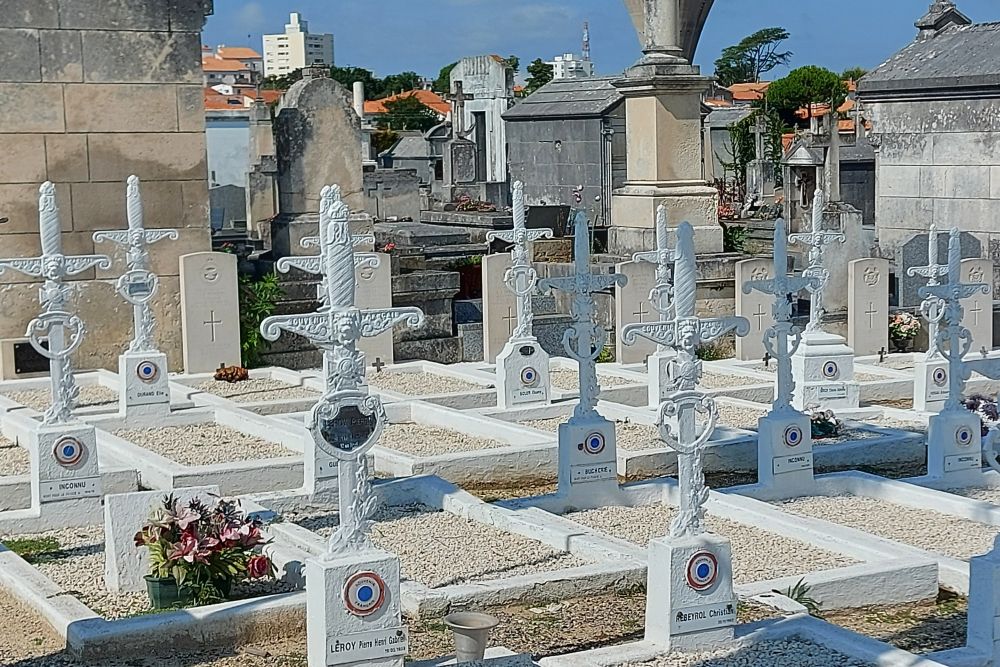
pixel 793 436
pixel 702 570
pixel 594 444
pixel 940 377
pixel 147 371
pixel 68 451
pixel 831 370
pixel 963 436
pixel 364 593
pixel 529 377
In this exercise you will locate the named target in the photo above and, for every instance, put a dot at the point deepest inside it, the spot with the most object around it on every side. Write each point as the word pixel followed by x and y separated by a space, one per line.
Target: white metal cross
pixel 817 240
pixel 931 307
pixel 663 258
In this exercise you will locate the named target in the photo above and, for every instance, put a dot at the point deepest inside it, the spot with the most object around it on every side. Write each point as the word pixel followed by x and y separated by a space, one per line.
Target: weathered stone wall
pixel 92 91
pixel 937 161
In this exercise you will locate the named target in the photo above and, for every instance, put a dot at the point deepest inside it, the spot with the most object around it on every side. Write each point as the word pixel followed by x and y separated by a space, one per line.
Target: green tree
pixel 853 73
pixel 346 76
pixel 802 87
pixel 514 63
pixel 442 84
pixel 753 57
pixel 383 139
pixel 400 83
pixel 281 82
pixel 539 74
pixel 407 113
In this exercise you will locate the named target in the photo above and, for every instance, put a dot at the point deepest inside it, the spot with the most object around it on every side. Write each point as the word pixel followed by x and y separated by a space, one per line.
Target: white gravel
pixel 91 395
pixel 724 381
pixel 440 549
pixel 793 652
pixel 899 364
pixel 858 376
pixel 986 494
pixel 257 389
pixel 548 424
pixel 892 422
pixel 757 554
pixel 423 440
pixel 14 459
pixel 637 437
pixel 421 384
pixel 204 444
pixel 738 416
pixel 570 380
pixel 78 568
pixel 922 528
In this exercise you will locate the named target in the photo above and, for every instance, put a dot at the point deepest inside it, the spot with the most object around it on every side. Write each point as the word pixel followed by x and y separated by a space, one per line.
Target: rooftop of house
pixel 749 92
pixel 238 53
pixel 428 98
pixel 213 63
pixel 590 97
pixel 241 98
pixel 959 60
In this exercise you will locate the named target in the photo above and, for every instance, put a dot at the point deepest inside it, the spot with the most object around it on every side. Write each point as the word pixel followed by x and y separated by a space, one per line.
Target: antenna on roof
pixel 586 41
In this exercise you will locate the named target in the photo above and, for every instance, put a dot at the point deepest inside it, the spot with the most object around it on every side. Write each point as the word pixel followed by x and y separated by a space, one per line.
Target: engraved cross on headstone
pixel 211 323
pixel 683 333
pixel 347 420
pixel 776 338
pixel 521 277
pixel 953 334
pixel 138 285
pixel 584 339
pixel 931 307
pixel 64 329
pixel 817 240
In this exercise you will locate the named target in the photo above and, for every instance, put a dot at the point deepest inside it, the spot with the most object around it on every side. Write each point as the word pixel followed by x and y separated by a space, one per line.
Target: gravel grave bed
pixel 256 389
pixel 91 395
pixel 792 652
pixel 204 444
pixel 77 566
pixel 439 548
pixel 984 493
pixel 14 459
pixel 424 440
pixel 848 435
pixel 892 422
pixel 757 554
pixel 724 381
pixel 421 384
pixel 917 627
pixel 570 380
pixel 738 416
pixel 858 376
pixel 548 424
pixel 922 528
pixel 898 364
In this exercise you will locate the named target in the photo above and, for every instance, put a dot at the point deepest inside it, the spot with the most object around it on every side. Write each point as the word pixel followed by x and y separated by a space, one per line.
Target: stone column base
pixel 633 216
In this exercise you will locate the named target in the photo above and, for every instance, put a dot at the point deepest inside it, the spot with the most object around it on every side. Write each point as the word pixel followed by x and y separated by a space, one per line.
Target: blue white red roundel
pixel 147 371
pixel 831 370
pixel 702 570
pixel 793 436
pixel 940 377
pixel 594 444
pixel 68 451
pixel 963 436
pixel 529 376
pixel 364 593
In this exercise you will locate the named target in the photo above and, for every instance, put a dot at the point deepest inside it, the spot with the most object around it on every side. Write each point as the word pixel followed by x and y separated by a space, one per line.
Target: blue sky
pixel 390 36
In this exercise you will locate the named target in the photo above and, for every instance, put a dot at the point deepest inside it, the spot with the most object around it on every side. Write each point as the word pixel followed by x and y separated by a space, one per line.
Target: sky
pixel 390 36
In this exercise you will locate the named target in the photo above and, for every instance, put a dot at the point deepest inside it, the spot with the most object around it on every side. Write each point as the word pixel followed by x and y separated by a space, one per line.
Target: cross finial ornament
pixel 458 100
pixel 817 240
pixel 782 340
pixel 932 308
pixel 684 333
pixel 347 420
pixel 663 258
pixel 138 285
pixel 957 338
pixel 64 330
pixel 584 339
pixel 521 278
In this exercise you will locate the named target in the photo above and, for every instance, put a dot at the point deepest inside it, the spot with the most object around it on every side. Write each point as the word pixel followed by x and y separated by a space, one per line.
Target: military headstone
pixel 499 306
pixel 755 307
pixel 375 291
pixel 914 253
pixel 868 306
pixel 210 311
pixel 632 306
pixel 978 307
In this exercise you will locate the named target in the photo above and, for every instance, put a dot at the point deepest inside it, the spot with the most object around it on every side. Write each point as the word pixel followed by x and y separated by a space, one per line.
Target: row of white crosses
pixel 522 367
pixel 690 570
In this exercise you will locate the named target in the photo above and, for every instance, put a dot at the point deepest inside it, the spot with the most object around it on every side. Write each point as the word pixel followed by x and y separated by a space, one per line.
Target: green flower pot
pixel 164 593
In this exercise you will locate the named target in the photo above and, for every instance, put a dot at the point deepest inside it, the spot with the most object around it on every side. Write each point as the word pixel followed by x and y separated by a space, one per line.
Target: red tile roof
pixel 217 64
pixel 749 92
pixel 428 98
pixel 238 53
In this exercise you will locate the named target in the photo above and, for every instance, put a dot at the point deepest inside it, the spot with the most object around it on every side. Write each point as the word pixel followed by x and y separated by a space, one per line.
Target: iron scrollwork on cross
pixel 817 240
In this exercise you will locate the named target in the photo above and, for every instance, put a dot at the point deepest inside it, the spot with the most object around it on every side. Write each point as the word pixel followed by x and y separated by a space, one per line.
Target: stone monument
pixel 954 442
pixel 64 466
pixel 690 600
pixel 823 365
pixel 210 311
pixel 868 306
pixel 930 372
pixel 784 436
pixel 522 368
pixel 335 328
pixel 753 306
pixel 588 459
pixel 144 392
pixel 979 307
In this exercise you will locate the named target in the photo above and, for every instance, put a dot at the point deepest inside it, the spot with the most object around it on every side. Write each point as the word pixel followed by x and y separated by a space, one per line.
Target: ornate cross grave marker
pixel 784 439
pixel 588 461
pixel 698 583
pixel 522 366
pixel 353 603
pixel 145 387
pixel 65 450
pixel 929 395
pixel 823 365
pixel 954 443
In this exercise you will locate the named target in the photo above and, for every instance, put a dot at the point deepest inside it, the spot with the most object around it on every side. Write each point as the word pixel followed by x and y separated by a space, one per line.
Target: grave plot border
pixel 187 385
pixel 953 573
pixel 462 400
pixel 613 564
pixel 15 490
pixel 888 577
pixel 93 638
pixel 797 626
pixel 240 477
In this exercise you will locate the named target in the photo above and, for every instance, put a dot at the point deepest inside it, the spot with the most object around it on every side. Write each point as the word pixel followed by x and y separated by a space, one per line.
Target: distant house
pixel 231 65
pixel 745 94
pixel 430 99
